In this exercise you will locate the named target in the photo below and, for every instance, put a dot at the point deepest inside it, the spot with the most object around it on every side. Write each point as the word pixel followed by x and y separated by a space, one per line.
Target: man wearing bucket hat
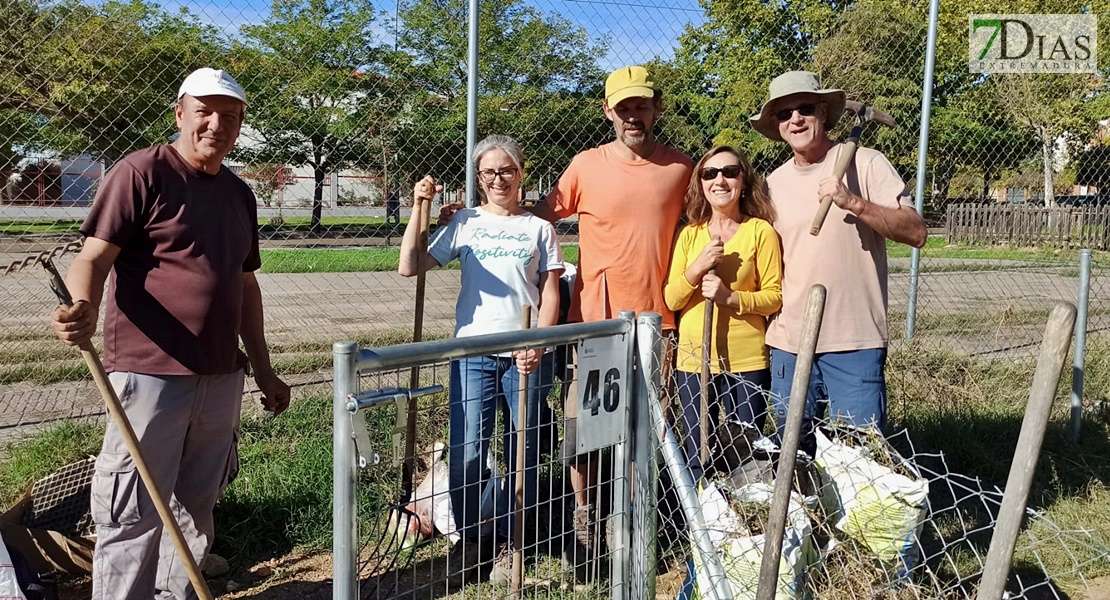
pixel 628 196
pixel 871 205
pixel 178 233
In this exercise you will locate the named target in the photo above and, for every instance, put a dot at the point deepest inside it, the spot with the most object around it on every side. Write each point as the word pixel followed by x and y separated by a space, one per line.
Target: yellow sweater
pixel 752 267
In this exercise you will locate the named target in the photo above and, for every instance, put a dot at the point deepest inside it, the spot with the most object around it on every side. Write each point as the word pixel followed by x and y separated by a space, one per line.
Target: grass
pixel 23 227
pixel 30 459
pixel 330 260
pixel 938 247
pixel 972 410
pixel 349 260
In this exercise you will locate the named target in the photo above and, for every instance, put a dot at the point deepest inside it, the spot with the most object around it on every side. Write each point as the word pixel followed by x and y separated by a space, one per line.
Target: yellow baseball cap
pixel 628 82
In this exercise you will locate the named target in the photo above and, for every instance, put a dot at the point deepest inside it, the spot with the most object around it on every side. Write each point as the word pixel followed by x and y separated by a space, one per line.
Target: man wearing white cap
pixel 175 234
pixel 871 205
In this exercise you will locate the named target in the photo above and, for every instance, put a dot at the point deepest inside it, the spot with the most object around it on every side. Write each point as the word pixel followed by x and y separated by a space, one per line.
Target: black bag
pixel 34 585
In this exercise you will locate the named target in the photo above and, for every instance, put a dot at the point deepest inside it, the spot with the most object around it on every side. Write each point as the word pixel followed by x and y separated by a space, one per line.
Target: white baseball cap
pixel 211 82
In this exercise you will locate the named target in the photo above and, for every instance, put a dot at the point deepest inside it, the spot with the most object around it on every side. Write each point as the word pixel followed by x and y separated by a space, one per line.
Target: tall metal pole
pixel 1080 353
pixel 344 472
pixel 471 103
pixel 649 346
pixel 922 154
pixel 718 587
pixel 620 550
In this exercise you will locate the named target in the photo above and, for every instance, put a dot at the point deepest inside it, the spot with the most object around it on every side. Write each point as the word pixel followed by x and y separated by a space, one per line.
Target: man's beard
pixel 633 139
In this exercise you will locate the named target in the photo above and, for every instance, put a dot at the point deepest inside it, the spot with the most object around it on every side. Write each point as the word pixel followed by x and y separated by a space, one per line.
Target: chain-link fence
pixel 352 101
pixel 868 516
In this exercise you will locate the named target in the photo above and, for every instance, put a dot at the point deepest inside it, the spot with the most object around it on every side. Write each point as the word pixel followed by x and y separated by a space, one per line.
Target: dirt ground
pixel 301 576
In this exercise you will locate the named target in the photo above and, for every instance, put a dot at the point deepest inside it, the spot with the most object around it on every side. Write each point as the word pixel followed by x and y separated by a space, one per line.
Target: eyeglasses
pixel 487 175
pixel 729 171
pixel 806 110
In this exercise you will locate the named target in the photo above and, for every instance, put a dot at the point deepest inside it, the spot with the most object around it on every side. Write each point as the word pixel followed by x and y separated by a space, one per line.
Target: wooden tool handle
pixel 843 159
pixel 517 578
pixel 408 467
pixel 131 441
pixel 792 433
pixel 706 375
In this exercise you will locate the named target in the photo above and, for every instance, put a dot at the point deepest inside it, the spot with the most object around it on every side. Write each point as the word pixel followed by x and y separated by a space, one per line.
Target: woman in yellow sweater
pixel 730 255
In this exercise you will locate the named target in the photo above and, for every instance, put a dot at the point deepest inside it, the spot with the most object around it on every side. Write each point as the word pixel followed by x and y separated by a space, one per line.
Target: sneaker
pixel 610 534
pixel 584 526
pixel 502 571
pixel 580 545
pixel 463 564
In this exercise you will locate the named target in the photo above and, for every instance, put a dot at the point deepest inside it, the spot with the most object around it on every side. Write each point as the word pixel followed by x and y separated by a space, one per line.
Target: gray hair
pixel 503 143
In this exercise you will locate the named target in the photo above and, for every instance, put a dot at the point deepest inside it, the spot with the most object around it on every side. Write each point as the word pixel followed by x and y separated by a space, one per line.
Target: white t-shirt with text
pixel 502 258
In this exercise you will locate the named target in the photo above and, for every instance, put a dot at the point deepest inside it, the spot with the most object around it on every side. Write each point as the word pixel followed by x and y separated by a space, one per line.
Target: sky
pixel 635 31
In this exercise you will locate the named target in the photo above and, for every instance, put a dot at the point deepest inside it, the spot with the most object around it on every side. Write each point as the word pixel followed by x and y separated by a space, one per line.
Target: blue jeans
pixel 479 387
pixel 850 386
pixel 743 395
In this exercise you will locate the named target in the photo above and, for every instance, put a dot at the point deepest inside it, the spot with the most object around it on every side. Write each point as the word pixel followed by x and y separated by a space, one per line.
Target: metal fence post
pixel 333 193
pixel 686 489
pixel 622 493
pixel 922 152
pixel 1080 354
pixel 645 512
pixel 344 515
pixel 471 104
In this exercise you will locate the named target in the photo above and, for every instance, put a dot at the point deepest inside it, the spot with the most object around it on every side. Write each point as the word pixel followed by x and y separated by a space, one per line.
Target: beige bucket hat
pixel 797 82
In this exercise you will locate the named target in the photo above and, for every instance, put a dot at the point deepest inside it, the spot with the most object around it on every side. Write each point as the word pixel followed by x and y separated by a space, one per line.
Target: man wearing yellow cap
pixel 628 195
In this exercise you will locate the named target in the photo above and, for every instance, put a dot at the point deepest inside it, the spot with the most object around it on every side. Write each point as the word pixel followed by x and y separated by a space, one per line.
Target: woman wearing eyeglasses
pixel 509 258
pixel 727 254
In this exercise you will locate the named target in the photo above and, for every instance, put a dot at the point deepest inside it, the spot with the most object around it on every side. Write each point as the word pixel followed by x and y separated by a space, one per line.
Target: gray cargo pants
pixel 188 429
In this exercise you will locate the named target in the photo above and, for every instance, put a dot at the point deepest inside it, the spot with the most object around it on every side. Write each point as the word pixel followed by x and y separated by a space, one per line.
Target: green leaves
pixel 99 79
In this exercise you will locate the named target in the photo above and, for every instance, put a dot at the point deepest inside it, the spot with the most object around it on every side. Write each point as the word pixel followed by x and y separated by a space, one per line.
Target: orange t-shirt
pixel 628 212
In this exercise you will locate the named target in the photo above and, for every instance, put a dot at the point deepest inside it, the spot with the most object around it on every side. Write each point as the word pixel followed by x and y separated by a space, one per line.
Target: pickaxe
pixel 864 113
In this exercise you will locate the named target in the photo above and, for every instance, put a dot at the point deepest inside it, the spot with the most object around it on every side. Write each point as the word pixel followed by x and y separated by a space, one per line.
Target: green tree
pixel 312 74
pixel 740 48
pixel 95 79
pixel 1052 107
pixel 538 81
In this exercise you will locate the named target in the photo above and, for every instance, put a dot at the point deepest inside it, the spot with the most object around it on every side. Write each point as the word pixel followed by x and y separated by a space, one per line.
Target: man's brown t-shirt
pixel 176 290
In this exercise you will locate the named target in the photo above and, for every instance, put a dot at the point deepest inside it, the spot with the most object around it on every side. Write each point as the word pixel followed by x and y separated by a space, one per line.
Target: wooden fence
pixel 1060 227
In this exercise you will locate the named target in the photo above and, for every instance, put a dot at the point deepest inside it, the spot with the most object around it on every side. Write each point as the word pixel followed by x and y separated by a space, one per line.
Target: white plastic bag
pixel 432 503
pixel 742 553
pixel 9 585
pixel 881 509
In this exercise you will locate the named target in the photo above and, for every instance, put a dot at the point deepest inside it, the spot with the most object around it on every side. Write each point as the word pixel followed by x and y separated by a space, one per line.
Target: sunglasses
pixel 729 171
pixel 806 110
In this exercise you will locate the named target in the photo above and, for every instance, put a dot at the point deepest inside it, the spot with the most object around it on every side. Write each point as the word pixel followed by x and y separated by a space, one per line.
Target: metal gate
pixel 376 552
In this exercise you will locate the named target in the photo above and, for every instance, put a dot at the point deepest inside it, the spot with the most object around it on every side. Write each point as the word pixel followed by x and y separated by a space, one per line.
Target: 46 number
pixel 598 396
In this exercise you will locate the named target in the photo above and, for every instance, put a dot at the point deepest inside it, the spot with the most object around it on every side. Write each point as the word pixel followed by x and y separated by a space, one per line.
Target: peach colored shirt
pixel 627 216
pixel 848 257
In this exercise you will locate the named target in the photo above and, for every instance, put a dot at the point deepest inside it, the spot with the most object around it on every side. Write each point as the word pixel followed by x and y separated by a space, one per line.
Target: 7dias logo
pixel 1033 43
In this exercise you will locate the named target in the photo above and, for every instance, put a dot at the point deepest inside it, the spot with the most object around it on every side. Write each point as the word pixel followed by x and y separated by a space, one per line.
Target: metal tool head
pixel 57 284
pixel 866 113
